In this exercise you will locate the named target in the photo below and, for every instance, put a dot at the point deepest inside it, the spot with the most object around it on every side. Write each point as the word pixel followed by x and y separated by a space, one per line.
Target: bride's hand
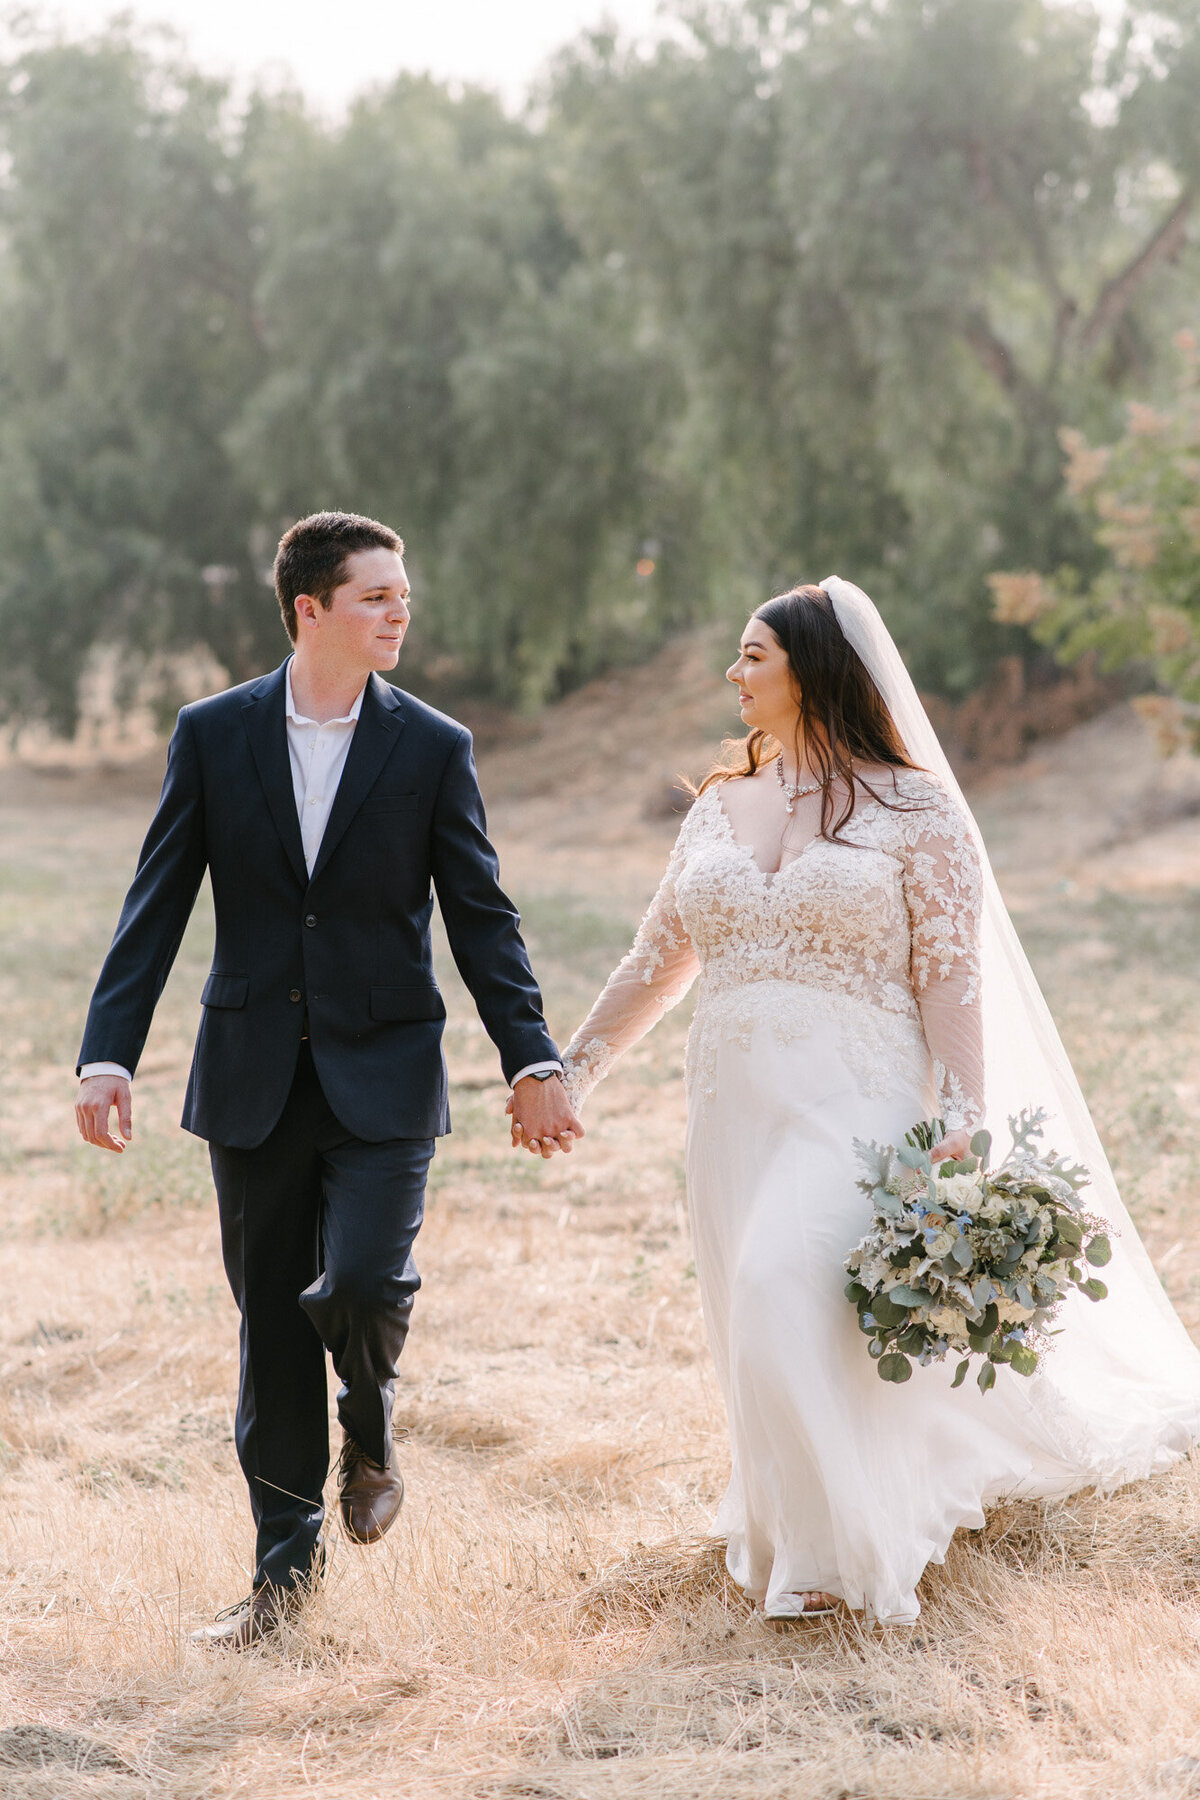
pixel 955 1145
pixel 541 1117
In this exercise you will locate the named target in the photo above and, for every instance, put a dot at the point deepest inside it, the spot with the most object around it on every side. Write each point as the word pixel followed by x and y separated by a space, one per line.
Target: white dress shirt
pixel 317 754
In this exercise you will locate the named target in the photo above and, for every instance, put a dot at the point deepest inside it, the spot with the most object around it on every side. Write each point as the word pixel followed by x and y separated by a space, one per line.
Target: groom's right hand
pixel 543 1119
pixel 96 1099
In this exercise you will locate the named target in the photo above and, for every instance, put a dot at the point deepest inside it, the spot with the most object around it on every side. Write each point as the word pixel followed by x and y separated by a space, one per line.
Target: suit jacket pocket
pixel 225 990
pixel 407 1005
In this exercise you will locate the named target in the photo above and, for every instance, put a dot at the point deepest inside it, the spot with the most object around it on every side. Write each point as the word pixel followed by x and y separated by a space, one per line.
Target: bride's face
pixel 764 681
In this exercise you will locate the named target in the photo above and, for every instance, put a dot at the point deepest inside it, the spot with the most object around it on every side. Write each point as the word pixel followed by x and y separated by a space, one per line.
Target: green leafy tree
pixel 555 417
pixel 389 245
pixel 126 349
pixel 1141 497
pixel 670 175
pixel 901 246
pixel 442 356
pixel 810 286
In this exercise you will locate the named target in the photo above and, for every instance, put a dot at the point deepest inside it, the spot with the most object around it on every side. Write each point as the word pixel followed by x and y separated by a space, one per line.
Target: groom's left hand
pixel 542 1117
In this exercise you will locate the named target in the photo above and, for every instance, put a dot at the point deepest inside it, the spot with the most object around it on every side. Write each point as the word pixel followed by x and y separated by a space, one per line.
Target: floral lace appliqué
pixel 883 1051
pixel 885 925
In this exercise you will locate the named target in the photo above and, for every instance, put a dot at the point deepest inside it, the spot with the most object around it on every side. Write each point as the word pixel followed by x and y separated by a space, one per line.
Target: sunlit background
pixel 333 52
pixel 908 290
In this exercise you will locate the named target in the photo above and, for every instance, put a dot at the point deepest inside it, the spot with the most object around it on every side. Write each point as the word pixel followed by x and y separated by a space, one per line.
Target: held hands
pixel 542 1117
pixel 96 1099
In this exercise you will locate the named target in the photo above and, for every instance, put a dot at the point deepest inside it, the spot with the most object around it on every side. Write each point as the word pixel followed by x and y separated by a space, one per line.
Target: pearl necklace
pixel 792 793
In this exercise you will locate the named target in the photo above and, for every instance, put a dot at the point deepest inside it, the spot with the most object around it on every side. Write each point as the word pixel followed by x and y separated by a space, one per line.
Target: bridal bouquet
pixel 965 1258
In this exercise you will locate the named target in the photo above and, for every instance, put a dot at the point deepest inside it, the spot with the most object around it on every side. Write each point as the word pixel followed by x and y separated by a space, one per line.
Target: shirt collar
pixel 298 718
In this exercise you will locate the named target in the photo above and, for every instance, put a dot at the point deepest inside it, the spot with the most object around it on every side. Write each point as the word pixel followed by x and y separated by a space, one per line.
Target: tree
pixel 126 348
pixel 1141 497
pixel 902 246
pixel 812 285
pixel 389 245
pixel 441 356
pixel 556 417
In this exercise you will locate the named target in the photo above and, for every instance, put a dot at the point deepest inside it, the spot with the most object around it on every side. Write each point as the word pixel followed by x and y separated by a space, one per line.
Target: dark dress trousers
pixel 318 1076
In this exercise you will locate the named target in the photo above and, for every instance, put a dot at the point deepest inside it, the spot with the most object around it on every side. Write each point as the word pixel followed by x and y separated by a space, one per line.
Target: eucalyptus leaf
pixel 906 1296
pixel 885 1312
pixel 1015 1256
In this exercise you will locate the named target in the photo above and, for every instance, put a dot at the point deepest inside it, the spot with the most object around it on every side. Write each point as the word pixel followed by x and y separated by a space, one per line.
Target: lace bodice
pixel 889 917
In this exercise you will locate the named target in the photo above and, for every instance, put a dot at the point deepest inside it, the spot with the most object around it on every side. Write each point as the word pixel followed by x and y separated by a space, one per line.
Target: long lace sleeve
pixel 943 887
pixel 652 978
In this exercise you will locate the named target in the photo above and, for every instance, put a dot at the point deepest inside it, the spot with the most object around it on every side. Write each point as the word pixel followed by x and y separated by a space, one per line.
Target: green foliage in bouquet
pixel 967 1259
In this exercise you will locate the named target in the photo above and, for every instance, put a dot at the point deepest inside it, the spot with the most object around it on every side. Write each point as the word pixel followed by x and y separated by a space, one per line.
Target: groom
pixel 325 805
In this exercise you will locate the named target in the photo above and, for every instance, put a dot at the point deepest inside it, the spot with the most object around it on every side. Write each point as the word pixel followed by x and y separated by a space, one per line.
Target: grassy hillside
pixel 548 1621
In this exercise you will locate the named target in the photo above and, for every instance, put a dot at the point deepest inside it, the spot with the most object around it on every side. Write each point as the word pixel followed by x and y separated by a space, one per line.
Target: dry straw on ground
pixel 550 1620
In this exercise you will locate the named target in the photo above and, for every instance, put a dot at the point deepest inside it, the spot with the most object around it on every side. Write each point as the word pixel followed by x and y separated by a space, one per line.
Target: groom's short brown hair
pixel 311 558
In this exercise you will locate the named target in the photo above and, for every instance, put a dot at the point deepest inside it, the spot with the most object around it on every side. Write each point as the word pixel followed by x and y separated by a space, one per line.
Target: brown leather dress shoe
pixel 257 1617
pixel 371 1495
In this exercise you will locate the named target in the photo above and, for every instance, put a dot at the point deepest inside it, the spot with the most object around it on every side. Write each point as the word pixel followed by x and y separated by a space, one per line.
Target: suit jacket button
pixel 295 995
pixel 310 918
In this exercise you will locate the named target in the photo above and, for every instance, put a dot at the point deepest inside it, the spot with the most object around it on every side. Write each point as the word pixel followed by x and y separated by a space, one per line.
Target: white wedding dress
pixel 840 998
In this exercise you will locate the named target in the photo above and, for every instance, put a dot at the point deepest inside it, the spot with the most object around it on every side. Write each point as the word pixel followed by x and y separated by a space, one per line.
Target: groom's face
pixel 364 624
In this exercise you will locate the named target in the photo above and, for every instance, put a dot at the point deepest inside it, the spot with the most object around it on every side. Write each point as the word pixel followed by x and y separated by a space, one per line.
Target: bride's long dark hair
pixel 843 719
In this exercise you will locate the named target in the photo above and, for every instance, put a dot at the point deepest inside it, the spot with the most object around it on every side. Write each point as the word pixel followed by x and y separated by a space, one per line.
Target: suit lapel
pixel 267 732
pixel 379 724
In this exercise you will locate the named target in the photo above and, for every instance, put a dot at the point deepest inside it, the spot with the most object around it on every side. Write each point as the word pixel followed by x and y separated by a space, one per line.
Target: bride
pixel 857 972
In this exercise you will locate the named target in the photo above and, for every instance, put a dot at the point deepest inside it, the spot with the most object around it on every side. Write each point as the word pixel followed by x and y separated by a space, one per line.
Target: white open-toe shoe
pixel 810 1603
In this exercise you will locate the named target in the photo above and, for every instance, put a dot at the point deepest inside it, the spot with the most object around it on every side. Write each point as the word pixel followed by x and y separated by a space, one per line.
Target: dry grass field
pixel 548 1621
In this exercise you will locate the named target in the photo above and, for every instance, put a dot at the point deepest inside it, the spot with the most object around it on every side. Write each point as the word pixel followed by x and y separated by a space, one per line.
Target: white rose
pixel 961 1193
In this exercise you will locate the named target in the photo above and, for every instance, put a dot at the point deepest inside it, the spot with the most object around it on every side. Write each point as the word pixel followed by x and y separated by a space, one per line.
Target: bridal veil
pixel 1121 1385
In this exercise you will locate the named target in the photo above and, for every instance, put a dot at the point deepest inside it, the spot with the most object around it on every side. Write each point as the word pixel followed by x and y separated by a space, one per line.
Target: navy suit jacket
pixel 348 947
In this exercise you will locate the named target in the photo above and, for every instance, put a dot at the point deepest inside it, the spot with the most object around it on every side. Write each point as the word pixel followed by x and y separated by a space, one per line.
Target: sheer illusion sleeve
pixel 943 887
pixel 652 978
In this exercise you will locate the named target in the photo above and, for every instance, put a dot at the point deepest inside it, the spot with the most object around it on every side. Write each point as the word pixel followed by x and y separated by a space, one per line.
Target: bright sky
pixel 335 49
